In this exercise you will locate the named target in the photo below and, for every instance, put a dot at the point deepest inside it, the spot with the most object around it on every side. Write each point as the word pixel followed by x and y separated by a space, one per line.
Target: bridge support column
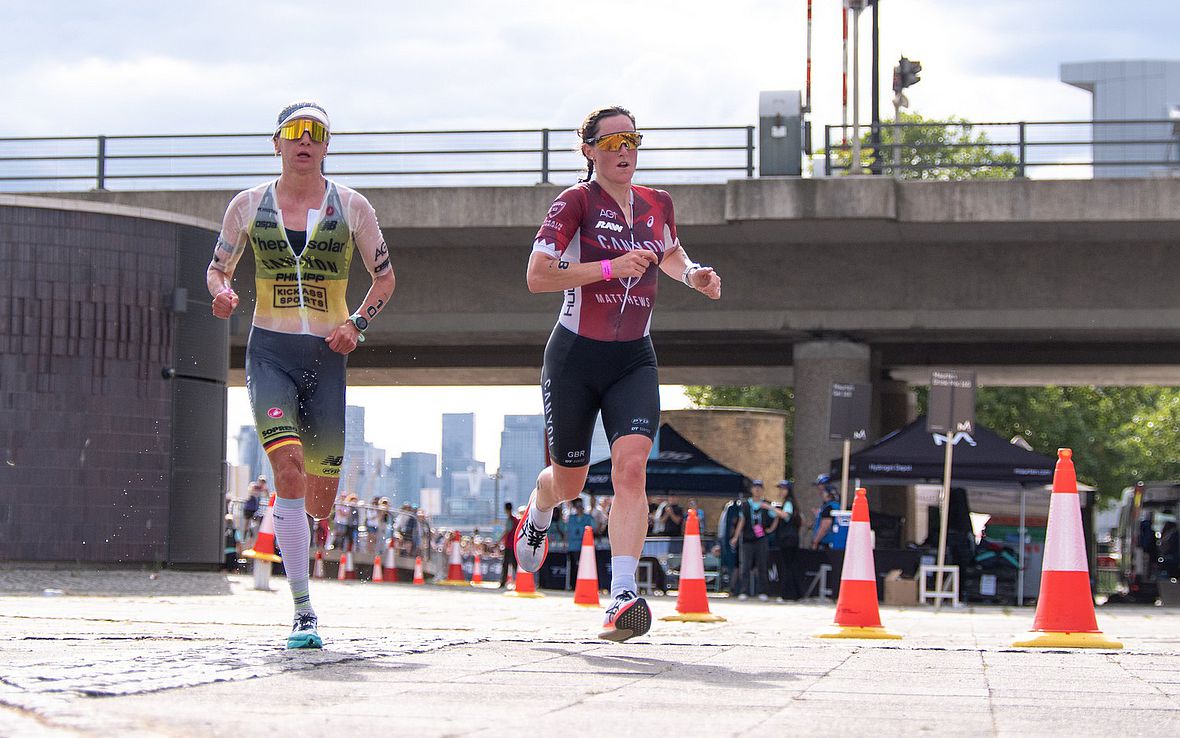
pixel 818 364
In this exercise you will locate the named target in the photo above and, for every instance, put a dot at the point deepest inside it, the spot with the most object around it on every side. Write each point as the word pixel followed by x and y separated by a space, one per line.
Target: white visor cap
pixel 305 112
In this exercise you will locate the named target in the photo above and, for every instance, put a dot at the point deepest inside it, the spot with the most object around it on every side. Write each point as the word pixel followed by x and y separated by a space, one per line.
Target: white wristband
pixel 688 270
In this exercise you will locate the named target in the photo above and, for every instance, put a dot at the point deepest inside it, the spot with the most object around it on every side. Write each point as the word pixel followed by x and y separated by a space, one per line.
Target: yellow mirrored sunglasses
pixel 294 130
pixel 616 141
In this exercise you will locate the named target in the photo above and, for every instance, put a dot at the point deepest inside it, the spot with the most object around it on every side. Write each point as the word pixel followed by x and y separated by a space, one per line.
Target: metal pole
pixel 544 156
pixel 944 504
pixel 854 168
pixel 101 174
pixel 827 151
pixel 807 104
pixel 749 151
pixel 844 93
pixel 1023 151
pixel 875 103
pixel 844 475
pixel 1020 571
pixel 897 135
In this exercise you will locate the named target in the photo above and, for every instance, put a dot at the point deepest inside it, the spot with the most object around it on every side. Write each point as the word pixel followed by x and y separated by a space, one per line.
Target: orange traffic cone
pixel 1065 609
pixel 377 577
pixel 476 574
pixel 346 569
pixel 264 545
pixel 418 578
pixel 526 586
pixel 318 571
pixel 390 563
pixel 857 614
pixel 692 603
pixel 455 567
pixel 586 588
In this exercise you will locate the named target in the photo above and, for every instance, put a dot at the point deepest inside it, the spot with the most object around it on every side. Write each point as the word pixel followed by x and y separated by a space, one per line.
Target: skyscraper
pixel 458 448
pixel 522 455
pixel 250 454
pixel 412 472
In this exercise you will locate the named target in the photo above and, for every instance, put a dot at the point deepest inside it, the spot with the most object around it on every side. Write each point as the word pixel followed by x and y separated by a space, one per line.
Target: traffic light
pixel 906 74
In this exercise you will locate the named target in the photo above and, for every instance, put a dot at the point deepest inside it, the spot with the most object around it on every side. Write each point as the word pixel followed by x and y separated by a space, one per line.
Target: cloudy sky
pixel 85 67
pixel 106 66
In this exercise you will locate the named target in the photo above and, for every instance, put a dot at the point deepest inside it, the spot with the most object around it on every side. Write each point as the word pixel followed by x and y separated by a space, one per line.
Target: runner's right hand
pixel 225 303
pixel 633 263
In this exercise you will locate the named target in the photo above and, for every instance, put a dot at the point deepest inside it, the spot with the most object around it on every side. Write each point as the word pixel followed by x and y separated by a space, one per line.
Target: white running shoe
pixel 763 597
pixel 304 633
pixel 530 542
pixel 627 617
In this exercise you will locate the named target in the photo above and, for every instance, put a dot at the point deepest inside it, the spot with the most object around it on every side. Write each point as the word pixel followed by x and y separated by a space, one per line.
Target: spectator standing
pixel 250 509
pixel 785 533
pixel 506 544
pixel 754 547
pixel 601 514
pixel 821 530
pixel 576 522
pixel 728 552
pixel 669 518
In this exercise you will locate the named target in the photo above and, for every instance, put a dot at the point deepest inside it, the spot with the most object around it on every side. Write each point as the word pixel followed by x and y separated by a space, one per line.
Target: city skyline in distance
pixel 409 419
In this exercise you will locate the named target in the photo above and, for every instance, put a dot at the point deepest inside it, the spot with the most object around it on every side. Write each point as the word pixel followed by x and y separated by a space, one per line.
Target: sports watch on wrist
pixel 359 322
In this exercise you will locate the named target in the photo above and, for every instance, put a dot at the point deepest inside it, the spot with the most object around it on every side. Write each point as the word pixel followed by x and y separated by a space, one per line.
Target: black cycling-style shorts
pixel 296 386
pixel 581 377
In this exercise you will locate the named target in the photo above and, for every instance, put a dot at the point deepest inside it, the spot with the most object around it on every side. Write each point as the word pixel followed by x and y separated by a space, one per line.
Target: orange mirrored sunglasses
pixel 294 130
pixel 616 141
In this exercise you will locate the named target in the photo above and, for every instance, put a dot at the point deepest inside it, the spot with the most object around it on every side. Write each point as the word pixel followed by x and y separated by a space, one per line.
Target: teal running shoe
pixel 303 632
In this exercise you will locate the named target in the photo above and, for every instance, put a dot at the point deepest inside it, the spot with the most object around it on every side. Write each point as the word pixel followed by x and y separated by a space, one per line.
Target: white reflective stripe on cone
pixel 692 565
pixel 858 554
pixel 1065 547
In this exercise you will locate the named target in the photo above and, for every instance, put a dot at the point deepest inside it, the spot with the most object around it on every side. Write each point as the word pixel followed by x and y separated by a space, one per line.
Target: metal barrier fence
pixel 382 158
pixel 1059 149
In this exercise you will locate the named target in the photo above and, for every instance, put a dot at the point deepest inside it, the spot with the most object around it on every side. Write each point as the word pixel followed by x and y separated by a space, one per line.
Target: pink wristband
pixel 606 271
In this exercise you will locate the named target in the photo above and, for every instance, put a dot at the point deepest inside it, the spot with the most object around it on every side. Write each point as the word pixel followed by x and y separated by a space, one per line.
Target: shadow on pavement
pixel 705 673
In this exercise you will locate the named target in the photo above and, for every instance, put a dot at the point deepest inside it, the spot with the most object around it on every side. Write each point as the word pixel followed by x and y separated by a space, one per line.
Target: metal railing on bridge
pixel 364 159
pixel 1044 149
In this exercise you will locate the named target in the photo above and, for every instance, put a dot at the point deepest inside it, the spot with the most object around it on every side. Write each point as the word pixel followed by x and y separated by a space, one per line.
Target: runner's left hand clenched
pixel 344 338
pixel 707 281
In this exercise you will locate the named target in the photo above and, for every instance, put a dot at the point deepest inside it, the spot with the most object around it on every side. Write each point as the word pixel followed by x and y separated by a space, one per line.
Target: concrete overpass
pixel 1027 282
pixel 848 279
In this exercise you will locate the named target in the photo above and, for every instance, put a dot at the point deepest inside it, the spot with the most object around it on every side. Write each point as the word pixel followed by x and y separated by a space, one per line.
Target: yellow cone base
pixel 264 556
pixel 524 595
pixel 454 583
pixel 1067 640
pixel 694 617
pixel 849 631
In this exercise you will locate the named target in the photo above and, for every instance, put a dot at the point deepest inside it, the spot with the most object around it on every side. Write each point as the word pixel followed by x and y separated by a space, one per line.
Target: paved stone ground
pixel 122 653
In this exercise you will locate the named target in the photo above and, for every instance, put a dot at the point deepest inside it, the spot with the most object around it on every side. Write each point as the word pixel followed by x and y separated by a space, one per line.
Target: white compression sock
pixel 622 574
pixel 294 539
pixel 539 519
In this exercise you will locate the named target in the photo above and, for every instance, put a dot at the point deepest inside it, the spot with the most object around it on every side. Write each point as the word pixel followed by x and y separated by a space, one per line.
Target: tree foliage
pixel 1119 435
pixel 951 149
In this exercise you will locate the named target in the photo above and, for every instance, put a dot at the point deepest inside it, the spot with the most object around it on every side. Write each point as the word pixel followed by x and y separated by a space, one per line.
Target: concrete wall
pixel 86 418
pixel 749 440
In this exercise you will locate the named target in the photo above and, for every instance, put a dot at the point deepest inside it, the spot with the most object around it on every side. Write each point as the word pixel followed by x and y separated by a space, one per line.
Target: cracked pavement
pixel 200 654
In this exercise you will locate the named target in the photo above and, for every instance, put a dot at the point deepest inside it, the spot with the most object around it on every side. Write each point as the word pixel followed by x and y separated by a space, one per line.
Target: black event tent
pixel 675 466
pixel 911 455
